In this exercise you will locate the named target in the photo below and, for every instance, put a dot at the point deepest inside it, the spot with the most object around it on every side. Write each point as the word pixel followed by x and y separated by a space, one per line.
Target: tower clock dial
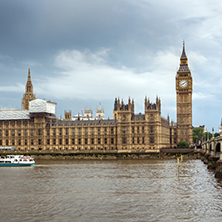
pixel 183 83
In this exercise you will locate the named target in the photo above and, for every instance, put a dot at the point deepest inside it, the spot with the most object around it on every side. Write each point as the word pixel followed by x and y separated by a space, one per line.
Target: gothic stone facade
pixel 36 126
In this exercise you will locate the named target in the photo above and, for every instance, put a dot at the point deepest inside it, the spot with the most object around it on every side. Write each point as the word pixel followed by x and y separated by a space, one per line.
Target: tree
pixel 207 136
pixel 183 144
pixel 195 138
pixel 197 134
pixel 216 134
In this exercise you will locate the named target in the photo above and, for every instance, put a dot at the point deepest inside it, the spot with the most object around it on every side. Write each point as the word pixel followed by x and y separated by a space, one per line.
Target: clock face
pixel 183 83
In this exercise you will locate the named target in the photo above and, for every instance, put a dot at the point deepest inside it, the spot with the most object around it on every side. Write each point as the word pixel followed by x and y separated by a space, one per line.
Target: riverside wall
pixel 111 154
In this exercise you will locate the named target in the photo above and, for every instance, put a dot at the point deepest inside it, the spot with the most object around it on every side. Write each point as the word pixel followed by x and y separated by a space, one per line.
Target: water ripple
pixel 123 190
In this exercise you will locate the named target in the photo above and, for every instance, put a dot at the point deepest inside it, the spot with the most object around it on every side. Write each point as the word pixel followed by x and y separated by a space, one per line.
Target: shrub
pixel 183 144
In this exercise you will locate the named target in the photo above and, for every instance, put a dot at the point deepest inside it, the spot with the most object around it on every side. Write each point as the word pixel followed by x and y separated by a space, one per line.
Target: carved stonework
pixel 184 90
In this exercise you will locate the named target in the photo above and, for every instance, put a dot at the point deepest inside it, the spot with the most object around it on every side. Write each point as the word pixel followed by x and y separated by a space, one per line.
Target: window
pixel 124 117
pixel 40 141
pixel 86 131
pixel 60 132
pixel 6 133
pixel 143 141
pixel 133 140
pixel 73 141
pixel 0 133
pixel 54 141
pixel 105 130
pixel 124 130
pixel 105 140
pixel 86 140
pixel 13 142
pixel 32 142
pixel 0 142
pixel 60 141
pixel 13 132
pixel 112 140
pixel 138 129
pixel 152 139
pixel 19 132
pixel 40 132
pixel 112 131
pixel 79 131
pixel 32 132
pixel 73 132
pixel 26 133
pixel 151 117
pixel 151 129
pixel 6 142
pixel 132 129
pixel 47 132
pixel 92 131
pixel 143 129
pixel 99 140
pixel 138 140
pixel 67 141
pixel 48 141
pixel 98 131
pixel 26 142
pixel 124 140
pixel 92 141
pixel 79 141
pixel 54 132
pixel 67 132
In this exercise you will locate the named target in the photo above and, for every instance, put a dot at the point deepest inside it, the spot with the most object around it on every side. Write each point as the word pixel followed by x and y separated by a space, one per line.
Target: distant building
pixel 88 113
pixel 36 127
pixel 100 114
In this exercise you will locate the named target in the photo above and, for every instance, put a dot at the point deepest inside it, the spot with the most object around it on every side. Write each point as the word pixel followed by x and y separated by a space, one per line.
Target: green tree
pixel 183 144
pixel 207 136
pixel 216 134
pixel 195 138
pixel 197 134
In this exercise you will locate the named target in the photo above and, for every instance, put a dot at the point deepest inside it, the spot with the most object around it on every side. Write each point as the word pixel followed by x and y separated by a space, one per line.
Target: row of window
pixel 138 140
pixel 60 131
pixel 124 117
pixel 58 141
pixel 20 132
pixel 18 123
pixel 80 141
pixel 137 129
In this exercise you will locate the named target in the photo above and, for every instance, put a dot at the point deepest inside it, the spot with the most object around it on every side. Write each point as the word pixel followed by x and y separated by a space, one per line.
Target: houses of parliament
pixel 36 127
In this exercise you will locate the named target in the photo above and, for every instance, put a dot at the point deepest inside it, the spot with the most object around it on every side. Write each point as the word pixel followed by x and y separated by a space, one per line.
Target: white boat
pixel 17 160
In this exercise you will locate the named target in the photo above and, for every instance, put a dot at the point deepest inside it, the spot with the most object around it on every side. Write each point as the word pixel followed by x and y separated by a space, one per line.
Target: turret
pixel 152 106
pixel 123 108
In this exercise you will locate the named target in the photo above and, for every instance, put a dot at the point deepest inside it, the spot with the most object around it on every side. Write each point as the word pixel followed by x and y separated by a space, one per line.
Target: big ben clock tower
pixel 184 88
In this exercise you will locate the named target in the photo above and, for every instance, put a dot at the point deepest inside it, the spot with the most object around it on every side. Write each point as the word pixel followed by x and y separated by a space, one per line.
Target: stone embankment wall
pixel 213 164
pixel 121 154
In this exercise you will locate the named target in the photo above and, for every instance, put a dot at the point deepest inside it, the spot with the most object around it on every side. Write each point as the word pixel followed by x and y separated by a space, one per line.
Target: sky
pixel 84 54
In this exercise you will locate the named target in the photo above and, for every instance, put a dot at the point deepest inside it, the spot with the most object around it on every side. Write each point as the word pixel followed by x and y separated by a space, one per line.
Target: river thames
pixel 110 190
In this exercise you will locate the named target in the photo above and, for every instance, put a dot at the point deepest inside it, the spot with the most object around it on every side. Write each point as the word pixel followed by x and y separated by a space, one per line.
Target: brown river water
pixel 110 190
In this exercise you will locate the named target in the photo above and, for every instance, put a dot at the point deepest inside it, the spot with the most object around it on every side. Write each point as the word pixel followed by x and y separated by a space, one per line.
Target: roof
pixel 14 114
pixel 41 106
pixel 183 56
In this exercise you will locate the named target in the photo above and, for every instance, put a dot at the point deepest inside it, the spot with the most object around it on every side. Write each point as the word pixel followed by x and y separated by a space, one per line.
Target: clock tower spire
pixel 184 88
pixel 28 95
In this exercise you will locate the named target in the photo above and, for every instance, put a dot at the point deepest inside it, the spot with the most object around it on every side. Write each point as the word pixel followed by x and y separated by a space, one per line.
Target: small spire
pixel 29 75
pixel 183 56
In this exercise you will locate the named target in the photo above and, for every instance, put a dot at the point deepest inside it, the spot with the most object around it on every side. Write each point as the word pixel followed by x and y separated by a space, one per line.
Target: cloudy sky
pixel 85 53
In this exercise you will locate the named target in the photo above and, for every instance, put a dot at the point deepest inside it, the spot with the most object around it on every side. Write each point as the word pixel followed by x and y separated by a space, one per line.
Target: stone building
pixel 36 127
pixel 184 88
